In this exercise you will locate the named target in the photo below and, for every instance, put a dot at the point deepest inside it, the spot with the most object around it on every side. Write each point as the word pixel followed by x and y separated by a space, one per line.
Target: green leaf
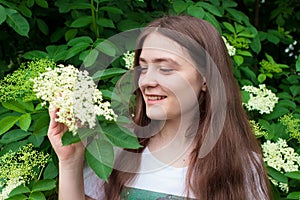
pixel 69 138
pixel 2 14
pixel 295 90
pixel 261 78
pixel 51 171
pixel 121 136
pixel 127 24
pixel 238 59
pixel 284 95
pixel 13 136
pixel 81 22
pixel 82 39
pixel 294 195
pixel 76 49
pixel 229 27
pixel 196 11
pixel 213 21
pixel 298 64
pixel 277 112
pixel 179 6
pixel 277 175
pixel 105 22
pixel 37 196
pixel 15 106
pixel 7 122
pixel 256 45
pixel 293 175
pixel 36 140
pixel 100 157
pixel 17 22
pixel 42 3
pixel 243 53
pixel 19 190
pixel 70 34
pixel 110 9
pixel 238 15
pixel 25 121
pixel 106 47
pixel 108 73
pixel 90 58
pixel 42 26
pixel 25 10
pixel 287 104
pixel 30 3
pixel 272 38
pixel 57 53
pixel 44 185
pixel 31 55
pixel 245 96
pixel 210 8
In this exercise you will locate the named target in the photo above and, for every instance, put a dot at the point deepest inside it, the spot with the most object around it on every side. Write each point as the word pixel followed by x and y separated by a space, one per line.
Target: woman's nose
pixel 148 79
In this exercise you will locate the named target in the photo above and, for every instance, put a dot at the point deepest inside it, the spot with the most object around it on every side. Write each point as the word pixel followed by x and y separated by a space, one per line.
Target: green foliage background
pixel 265 34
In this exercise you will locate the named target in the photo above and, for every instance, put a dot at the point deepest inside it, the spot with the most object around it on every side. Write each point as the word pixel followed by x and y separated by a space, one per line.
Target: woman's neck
pixel 172 145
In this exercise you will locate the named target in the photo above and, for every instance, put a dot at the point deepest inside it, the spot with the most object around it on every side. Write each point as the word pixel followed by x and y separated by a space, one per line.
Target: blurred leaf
pixel 19 190
pixel 229 27
pixel 105 22
pixel 43 26
pixel 15 106
pixel 51 171
pixel 36 140
pixel 110 9
pixel 25 121
pixel 44 185
pixel 294 195
pixel 298 64
pixel 57 53
pixel 255 45
pixel 70 34
pixel 179 6
pixel 295 90
pixel 42 3
pixel 210 8
pixel 106 47
pixel 37 196
pixel 17 22
pixel 24 10
pixel 128 24
pixel 100 157
pixel 30 55
pixel 76 49
pixel 196 11
pixel 209 17
pixel 293 175
pixel 13 136
pixel 2 14
pixel 261 78
pixel 7 122
pixel 81 22
pixel 90 57
pixel 107 73
pixel 81 39
pixel 277 175
pixel 121 136
pixel 238 59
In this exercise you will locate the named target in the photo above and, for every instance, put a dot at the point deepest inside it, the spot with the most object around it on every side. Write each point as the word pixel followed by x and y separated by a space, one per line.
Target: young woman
pixel 197 142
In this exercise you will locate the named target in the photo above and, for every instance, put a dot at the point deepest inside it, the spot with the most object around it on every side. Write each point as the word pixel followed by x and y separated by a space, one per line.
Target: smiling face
pixel 169 82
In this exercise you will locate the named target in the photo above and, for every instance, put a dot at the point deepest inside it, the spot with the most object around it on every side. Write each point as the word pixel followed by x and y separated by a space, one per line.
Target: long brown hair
pixel 233 168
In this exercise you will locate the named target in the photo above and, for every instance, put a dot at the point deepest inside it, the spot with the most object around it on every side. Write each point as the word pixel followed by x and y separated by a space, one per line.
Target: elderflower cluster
pixel 292 125
pixel 281 157
pixel 20 167
pixel 128 57
pixel 261 99
pixel 74 94
pixel 231 49
pixel 257 129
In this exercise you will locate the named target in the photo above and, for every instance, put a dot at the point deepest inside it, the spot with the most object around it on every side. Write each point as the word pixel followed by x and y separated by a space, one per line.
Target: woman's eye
pixel 164 69
pixel 142 69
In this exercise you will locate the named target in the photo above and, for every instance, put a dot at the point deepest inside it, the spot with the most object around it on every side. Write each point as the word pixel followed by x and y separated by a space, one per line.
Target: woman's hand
pixel 70 154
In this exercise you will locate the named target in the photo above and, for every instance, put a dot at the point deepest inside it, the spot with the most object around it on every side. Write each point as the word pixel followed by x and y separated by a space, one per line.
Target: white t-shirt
pixel 153 176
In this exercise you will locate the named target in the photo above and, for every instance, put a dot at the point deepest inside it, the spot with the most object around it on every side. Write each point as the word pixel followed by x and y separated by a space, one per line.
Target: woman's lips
pixel 152 99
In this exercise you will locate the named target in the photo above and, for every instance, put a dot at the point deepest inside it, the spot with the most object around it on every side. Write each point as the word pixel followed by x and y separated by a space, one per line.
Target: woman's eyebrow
pixel 159 60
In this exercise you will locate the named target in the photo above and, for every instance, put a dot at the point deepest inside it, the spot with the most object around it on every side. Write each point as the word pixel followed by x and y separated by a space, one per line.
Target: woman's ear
pixel 203 86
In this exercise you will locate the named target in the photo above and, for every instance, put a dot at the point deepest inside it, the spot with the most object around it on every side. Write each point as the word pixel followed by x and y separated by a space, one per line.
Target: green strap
pixel 139 194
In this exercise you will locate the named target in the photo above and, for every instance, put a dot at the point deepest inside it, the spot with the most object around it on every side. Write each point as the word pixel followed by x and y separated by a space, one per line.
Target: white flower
pixel 281 157
pixel 128 57
pixel 10 185
pixel 75 94
pixel 231 49
pixel 261 99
